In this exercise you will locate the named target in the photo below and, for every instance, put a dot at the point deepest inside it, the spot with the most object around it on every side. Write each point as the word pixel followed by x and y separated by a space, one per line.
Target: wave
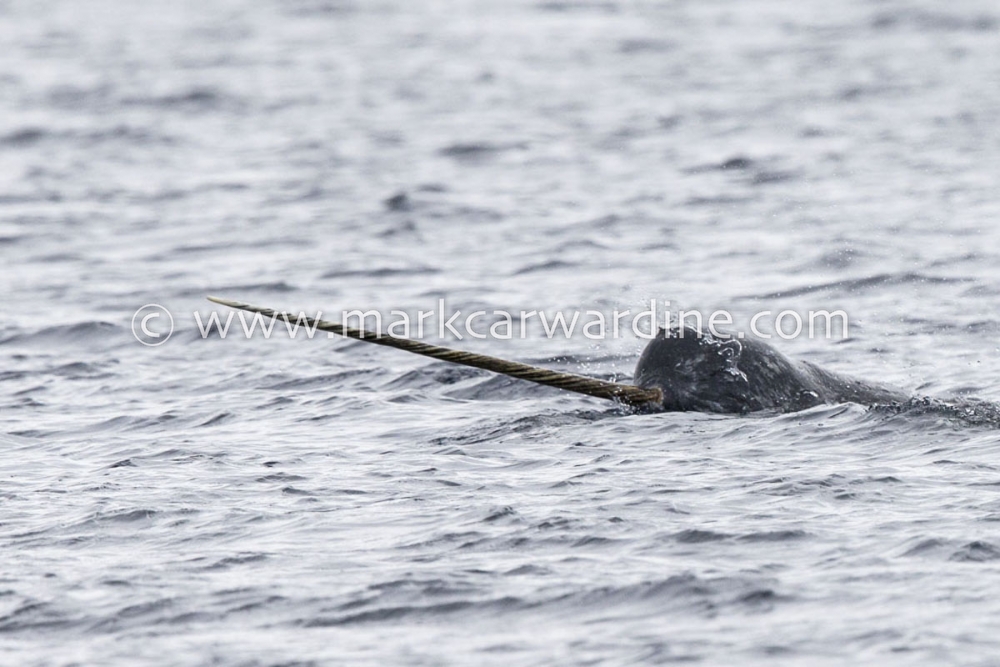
pixel 682 593
pixel 854 285
pixel 78 333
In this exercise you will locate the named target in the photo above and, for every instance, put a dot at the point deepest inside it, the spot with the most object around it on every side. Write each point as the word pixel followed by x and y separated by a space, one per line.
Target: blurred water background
pixel 312 502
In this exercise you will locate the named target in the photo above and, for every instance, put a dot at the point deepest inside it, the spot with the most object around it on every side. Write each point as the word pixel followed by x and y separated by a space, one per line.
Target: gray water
pixel 313 502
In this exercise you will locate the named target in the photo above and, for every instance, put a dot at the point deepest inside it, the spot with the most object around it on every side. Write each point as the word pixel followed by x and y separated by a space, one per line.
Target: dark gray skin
pixel 706 374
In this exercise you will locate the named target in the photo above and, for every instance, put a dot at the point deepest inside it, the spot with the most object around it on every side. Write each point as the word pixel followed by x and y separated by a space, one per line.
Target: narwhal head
pixel 695 371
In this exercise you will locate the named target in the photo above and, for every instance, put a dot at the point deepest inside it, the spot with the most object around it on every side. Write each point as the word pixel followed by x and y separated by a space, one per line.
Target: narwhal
pixel 681 369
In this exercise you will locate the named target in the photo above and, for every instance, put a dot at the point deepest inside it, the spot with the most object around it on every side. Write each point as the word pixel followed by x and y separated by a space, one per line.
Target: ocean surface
pixel 293 501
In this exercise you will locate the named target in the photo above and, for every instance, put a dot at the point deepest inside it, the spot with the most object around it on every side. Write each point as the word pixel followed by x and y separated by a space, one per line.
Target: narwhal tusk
pixel 623 393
